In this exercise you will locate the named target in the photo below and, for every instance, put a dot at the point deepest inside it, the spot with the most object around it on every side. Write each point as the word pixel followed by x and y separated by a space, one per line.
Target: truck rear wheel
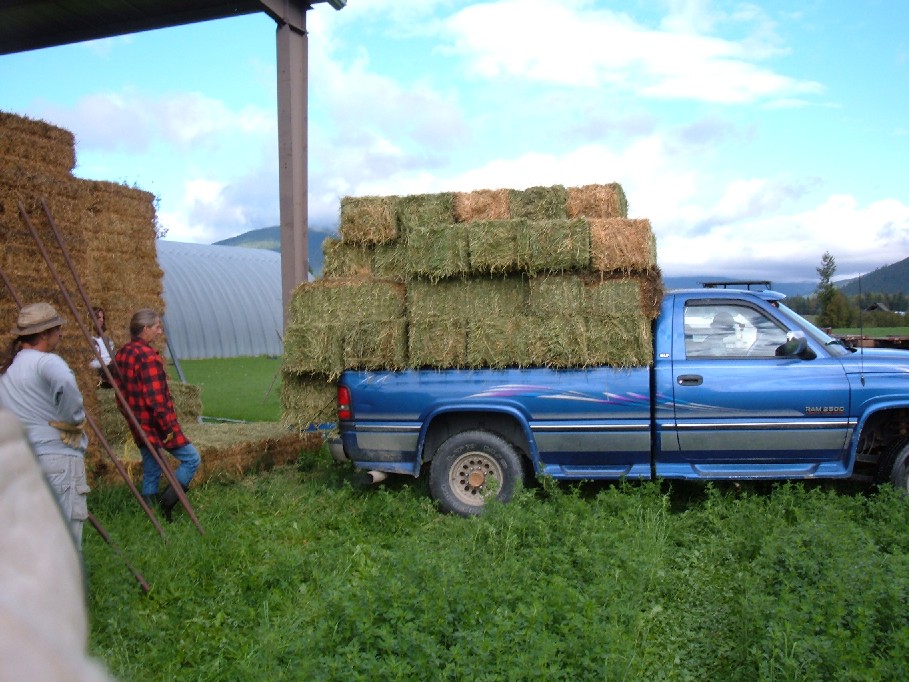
pixel 895 466
pixel 470 467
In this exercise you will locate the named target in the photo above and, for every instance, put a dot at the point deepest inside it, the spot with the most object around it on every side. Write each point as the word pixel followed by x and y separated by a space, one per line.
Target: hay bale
pixel 539 203
pixel 307 400
pixel 556 295
pixel 368 220
pixel 556 245
pixel 390 261
pixel 342 260
pixel 597 201
pixel 481 204
pixel 436 324
pixel 622 245
pixel 469 323
pixel 187 401
pixel 231 451
pixel 620 342
pixel 345 324
pixel 437 251
pixel 36 145
pixel 558 341
pixel 499 341
pixel 424 210
pixel 528 246
pixel 494 246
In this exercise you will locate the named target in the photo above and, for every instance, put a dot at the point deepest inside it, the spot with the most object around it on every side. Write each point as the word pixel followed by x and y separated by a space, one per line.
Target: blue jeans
pixel 151 472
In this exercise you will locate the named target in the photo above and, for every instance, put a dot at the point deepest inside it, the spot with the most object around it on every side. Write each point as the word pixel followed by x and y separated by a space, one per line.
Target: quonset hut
pixel 222 301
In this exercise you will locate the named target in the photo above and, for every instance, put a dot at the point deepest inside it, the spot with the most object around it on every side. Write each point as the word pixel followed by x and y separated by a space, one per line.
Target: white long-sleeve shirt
pixel 103 350
pixel 40 388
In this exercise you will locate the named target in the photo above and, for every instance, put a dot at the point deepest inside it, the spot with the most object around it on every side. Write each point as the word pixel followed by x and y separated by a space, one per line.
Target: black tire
pixel 463 466
pixel 895 466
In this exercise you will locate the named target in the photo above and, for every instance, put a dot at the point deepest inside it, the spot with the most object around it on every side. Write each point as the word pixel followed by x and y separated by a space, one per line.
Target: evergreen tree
pixel 834 308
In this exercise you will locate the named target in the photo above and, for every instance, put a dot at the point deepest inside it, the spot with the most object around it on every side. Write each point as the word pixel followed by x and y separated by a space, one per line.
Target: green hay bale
pixel 424 210
pixel 539 203
pixel 554 245
pixel 621 342
pixel 331 347
pixel 613 299
pixel 343 260
pixel 307 399
pixel 530 246
pixel 375 345
pixel 499 341
pixel 345 324
pixel 489 298
pixel 436 323
pixel 437 343
pixel 597 201
pixel 559 341
pixel 313 346
pixel 437 251
pixel 475 323
pixel 553 295
pixel 494 246
pixel 368 220
pixel 390 261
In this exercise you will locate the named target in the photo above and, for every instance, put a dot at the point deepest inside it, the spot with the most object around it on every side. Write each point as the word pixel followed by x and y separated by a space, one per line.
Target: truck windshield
pixel 833 346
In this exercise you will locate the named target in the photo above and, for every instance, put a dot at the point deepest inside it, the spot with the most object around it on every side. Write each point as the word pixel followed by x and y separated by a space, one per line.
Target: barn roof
pixel 34 24
pixel 222 301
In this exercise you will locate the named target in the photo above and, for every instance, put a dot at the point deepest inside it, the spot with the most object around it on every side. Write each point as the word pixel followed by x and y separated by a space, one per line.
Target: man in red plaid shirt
pixel 143 382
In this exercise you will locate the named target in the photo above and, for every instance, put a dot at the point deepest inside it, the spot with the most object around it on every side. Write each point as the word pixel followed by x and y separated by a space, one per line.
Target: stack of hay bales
pixel 109 231
pixel 544 277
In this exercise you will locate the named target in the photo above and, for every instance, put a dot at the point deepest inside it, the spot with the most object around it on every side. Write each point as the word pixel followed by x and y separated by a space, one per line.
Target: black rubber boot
pixel 151 500
pixel 169 500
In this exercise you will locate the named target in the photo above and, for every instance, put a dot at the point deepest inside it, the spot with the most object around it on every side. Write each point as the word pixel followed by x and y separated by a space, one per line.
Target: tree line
pixel 832 308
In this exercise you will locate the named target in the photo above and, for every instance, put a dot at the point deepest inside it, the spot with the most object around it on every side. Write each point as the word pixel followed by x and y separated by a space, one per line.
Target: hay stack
pixel 547 276
pixel 109 231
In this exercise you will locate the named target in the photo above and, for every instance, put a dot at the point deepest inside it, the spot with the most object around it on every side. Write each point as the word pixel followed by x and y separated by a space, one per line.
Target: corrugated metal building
pixel 222 301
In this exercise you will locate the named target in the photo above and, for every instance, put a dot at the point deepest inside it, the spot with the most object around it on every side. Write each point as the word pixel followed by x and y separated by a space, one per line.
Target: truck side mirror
pixel 796 347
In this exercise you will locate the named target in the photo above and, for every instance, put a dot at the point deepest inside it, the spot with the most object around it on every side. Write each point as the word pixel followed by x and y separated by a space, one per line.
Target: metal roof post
pixel 293 119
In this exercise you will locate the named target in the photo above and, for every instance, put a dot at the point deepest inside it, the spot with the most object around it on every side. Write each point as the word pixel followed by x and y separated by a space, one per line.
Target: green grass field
pixel 236 388
pixel 875 332
pixel 301 576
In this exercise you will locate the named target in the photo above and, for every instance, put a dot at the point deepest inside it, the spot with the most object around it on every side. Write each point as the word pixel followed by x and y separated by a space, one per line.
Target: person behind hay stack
pixel 105 347
pixel 142 379
pixel 39 387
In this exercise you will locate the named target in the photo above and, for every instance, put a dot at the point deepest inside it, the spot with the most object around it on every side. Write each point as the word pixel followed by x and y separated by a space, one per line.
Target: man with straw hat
pixel 38 386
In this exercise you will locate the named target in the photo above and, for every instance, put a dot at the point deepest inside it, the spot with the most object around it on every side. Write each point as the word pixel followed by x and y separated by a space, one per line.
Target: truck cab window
pixel 730 331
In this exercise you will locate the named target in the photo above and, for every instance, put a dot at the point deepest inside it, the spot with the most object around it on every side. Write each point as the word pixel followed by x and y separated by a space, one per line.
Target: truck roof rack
pixel 764 283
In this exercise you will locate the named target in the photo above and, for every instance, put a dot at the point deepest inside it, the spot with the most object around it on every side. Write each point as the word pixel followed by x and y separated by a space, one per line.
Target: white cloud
pixel 569 44
pixel 134 121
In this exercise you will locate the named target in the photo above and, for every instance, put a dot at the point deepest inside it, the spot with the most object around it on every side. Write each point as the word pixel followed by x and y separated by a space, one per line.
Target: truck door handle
pixel 690 380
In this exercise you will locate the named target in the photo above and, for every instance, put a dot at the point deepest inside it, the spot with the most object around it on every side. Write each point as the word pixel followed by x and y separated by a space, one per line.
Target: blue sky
pixel 754 136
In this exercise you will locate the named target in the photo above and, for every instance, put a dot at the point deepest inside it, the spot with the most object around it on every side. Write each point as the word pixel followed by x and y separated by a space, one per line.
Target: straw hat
pixel 35 318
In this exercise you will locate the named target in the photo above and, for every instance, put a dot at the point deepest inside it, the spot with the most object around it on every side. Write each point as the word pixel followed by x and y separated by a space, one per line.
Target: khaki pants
pixel 66 475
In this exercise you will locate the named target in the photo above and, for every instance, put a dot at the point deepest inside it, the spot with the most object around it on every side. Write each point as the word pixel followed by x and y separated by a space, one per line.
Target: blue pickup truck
pixel 740 387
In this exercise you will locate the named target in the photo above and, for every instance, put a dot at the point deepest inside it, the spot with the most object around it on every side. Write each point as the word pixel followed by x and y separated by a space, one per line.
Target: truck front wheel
pixel 471 466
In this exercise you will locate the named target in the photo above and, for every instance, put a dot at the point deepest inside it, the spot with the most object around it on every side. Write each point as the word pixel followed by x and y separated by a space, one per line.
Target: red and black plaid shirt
pixel 143 381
